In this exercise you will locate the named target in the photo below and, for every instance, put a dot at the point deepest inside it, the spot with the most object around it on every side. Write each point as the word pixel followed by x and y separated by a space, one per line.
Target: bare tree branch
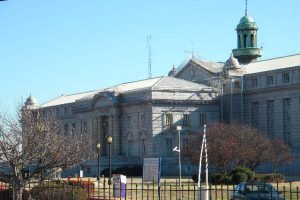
pixel 36 142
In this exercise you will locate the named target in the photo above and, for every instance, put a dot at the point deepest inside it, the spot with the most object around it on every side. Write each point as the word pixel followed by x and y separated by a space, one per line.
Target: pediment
pixel 192 69
pixel 105 99
pixel 195 73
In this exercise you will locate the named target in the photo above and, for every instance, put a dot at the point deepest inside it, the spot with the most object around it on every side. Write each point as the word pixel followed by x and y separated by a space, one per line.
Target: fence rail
pixel 136 190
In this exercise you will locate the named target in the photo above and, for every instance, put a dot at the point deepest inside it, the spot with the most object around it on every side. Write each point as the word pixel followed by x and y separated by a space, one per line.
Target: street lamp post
pixel 98 151
pixel 179 128
pixel 109 141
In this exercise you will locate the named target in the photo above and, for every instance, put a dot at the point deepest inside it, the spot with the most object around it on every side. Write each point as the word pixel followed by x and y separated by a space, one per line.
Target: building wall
pixel 265 107
pixel 165 137
pixel 136 121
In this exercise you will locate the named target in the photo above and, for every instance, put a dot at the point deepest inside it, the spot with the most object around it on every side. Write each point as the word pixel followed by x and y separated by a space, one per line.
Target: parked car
pixel 255 191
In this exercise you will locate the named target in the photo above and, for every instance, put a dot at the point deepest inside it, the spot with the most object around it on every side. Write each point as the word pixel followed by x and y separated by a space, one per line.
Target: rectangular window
pixel 254 82
pixel 287 121
pixel 143 120
pixel 255 113
pixel 84 127
pixel 168 146
pixel 143 147
pixel 237 84
pixel 66 129
pixel 65 110
pixel 129 149
pixel 168 120
pixel 74 128
pixel 270 117
pixel 286 77
pixel 186 120
pixel 129 122
pixel 270 80
pixel 57 111
pixel 202 120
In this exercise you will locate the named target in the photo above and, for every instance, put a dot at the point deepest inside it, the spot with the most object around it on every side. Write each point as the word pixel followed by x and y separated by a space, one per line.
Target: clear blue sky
pixel 54 47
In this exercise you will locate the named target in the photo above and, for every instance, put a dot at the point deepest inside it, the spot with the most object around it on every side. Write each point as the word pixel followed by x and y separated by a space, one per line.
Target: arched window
pixel 245 40
pixel 252 40
pixel 239 41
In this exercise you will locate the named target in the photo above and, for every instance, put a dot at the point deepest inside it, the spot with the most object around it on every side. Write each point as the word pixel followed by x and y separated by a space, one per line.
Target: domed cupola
pixel 232 63
pixel 246 22
pixel 31 102
pixel 173 71
pixel 246 50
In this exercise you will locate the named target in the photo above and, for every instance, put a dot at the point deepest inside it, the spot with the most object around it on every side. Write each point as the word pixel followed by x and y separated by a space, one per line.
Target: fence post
pixel 147 191
pixel 131 188
pixel 188 189
pixel 222 191
pixel 136 191
pixel 227 191
pixel 158 190
pixel 194 192
pixel 209 192
pixel 125 191
pixel 290 189
pixel 176 189
pixel 104 188
pixel 170 192
pixel 88 187
pixel 153 193
pixel 165 189
pixel 142 189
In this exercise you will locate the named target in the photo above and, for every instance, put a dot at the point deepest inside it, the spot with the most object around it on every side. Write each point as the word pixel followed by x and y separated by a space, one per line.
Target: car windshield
pixel 259 187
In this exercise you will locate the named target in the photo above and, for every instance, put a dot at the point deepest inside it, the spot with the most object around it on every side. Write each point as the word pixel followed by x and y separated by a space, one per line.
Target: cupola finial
pixel 246 10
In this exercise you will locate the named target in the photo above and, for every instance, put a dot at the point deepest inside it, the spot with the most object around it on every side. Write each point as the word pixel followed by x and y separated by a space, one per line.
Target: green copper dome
pixel 246 22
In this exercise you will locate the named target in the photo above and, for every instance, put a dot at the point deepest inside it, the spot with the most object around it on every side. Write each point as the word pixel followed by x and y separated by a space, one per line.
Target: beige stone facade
pixel 140 116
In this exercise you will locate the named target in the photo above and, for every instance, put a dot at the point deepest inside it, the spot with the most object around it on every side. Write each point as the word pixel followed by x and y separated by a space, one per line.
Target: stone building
pixel 262 93
pixel 141 116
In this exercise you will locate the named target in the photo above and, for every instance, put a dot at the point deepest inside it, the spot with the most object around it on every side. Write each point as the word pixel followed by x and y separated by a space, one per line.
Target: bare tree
pixel 279 154
pixel 232 145
pixel 35 142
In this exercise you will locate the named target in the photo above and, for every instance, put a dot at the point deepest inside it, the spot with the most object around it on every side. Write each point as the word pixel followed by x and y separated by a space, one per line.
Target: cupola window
pixel 252 40
pixel 245 40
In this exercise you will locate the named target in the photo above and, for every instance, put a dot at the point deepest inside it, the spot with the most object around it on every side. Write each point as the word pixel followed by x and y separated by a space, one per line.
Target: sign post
pixel 151 169
pixel 203 191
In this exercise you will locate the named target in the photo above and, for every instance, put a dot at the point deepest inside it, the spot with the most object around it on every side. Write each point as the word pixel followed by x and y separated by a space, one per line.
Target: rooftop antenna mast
pixel 149 56
pixel 246 10
pixel 193 51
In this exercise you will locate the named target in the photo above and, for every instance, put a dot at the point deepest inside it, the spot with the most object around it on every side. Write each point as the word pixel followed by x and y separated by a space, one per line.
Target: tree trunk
pixel 17 190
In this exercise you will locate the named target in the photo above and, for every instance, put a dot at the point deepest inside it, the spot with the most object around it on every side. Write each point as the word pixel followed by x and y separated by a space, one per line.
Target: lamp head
pixel 98 145
pixel 109 139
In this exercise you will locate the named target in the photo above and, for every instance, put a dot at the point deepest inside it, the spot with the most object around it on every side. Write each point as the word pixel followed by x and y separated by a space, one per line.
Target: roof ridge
pixel 63 95
pixel 291 55
pixel 198 57
pixel 157 82
pixel 136 81
pixel 179 79
pixel 79 93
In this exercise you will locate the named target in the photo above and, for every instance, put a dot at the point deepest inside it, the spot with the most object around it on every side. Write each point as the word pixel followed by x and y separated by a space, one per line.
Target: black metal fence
pixel 134 189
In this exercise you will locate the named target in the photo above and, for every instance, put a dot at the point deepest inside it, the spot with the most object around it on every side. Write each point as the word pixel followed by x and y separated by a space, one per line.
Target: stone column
pixel 102 137
pixel 116 134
